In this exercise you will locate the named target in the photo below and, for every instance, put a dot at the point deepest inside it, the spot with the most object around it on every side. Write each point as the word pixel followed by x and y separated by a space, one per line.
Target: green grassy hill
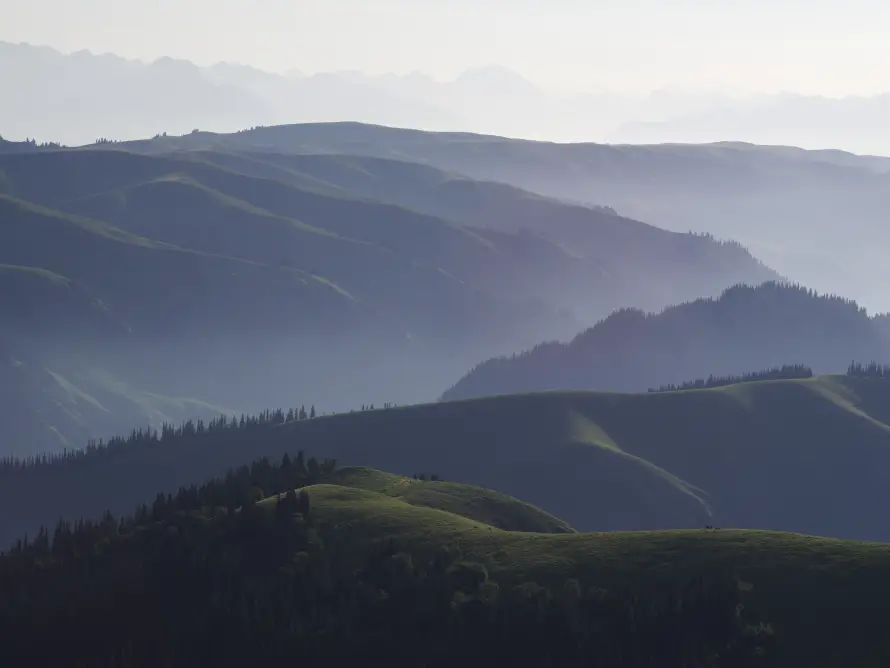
pixel 809 456
pixel 824 597
pixel 388 491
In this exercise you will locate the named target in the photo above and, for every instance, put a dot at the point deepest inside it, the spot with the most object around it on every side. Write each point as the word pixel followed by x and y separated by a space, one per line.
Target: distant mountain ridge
pixel 786 205
pixel 119 98
pixel 745 328
pixel 239 278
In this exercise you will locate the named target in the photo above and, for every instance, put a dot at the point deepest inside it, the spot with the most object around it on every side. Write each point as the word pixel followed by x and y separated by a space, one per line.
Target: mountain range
pixel 803 213
pixel 217 277
pixel 78 97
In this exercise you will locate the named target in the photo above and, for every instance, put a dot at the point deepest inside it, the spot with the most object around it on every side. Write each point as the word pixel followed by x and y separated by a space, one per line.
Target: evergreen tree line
pixel 786 371
pixel 198 580
pixel 870 370
pixel 189 431
pixel 122 472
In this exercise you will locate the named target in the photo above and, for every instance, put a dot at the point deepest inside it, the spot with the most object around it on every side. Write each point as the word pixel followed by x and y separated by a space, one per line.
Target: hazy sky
pixel 832 47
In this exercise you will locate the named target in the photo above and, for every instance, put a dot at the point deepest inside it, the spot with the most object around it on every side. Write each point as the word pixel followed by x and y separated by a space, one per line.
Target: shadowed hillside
pixel 245 279
pixel 798 455
pixel 745 328
pixel 804 213
pixel 603 260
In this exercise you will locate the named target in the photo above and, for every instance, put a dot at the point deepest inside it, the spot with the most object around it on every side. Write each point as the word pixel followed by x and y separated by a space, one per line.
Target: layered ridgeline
pixel 243 280
pixel 810 455
pixel 745 328
pixel 294 559
pixel 804 213
pixel 494 237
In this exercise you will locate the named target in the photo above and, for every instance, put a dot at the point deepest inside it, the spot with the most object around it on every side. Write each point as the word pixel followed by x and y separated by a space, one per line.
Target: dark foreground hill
pixel 745 328
pixel 333 567
pixel 810 456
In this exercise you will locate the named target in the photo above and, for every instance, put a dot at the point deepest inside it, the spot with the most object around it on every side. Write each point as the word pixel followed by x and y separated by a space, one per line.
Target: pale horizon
pixel 834 50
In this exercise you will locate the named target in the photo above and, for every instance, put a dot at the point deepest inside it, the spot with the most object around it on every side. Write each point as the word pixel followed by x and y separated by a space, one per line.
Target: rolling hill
pixel 808 456
pixel 626 262
pixel 574 257
pixel 800 582
pixel 804 213
pixel 373 493
pixel 475 503
pixel 824 599
pixel 745 328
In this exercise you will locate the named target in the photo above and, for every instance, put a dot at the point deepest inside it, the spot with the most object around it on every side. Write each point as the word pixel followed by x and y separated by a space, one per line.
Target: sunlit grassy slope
pixel 467 501
pixel 810 456
pixel 827 599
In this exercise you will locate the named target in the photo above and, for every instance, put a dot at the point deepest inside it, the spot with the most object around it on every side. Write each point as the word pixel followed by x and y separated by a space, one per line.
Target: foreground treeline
pixel 209 577
pixel 784 372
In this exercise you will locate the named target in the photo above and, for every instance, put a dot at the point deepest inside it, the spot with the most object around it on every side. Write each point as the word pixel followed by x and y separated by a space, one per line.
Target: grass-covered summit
pixel 386 491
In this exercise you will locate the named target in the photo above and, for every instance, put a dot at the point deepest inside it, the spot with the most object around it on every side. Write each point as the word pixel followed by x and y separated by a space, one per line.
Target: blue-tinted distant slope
pixel 745 328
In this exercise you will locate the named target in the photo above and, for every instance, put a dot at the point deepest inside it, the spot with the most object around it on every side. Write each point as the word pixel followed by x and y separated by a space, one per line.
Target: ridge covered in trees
pixel 760 327
pixel 784 372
